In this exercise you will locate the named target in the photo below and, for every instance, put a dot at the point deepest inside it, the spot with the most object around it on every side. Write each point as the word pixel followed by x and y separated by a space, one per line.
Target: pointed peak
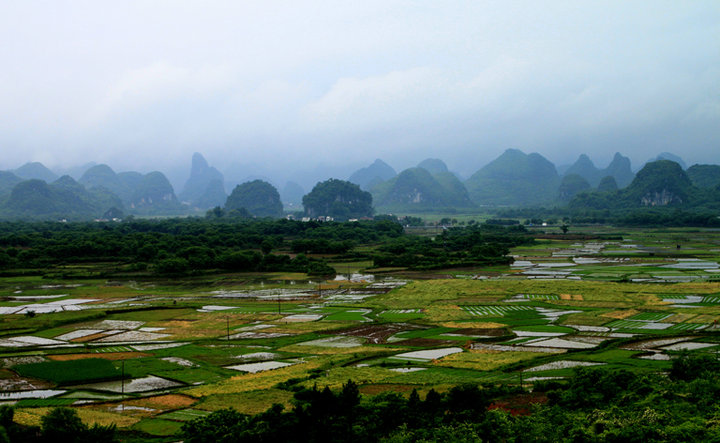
pixel 433 165
pixel 199 162
pixel 514 151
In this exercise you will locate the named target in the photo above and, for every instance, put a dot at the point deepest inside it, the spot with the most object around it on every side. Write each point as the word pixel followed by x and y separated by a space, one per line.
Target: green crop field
pixel 185 355
pixel 74 371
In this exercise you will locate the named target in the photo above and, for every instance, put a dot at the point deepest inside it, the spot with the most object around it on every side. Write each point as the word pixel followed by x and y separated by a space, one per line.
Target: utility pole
pixel 122 385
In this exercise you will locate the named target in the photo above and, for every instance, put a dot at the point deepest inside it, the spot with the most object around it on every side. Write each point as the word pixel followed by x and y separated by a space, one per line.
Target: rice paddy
pixel 184 352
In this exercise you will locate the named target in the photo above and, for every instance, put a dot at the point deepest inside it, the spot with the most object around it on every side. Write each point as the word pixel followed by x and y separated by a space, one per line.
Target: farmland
pixel 151 353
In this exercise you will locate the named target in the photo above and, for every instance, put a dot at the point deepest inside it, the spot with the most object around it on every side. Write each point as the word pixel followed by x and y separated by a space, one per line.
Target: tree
pixel 63 425
pixel 339 199
pixel 258 197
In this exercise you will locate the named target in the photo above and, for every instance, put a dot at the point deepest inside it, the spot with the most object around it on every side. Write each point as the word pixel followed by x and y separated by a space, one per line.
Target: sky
pixel 279 87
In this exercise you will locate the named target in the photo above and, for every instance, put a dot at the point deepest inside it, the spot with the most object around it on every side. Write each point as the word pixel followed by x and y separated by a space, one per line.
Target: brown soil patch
pixel 92 337
pixel 705 318
pixel 168 401
pixel 380 388
pixel 377 333
pixel 680 318
pixel 103 355
pixel 622 314
pixel 172 324
pixel 577 297
pixel 519 404
pixel 425 342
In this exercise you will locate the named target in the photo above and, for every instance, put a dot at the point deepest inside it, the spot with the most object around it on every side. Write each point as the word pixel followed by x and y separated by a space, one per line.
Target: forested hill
pixel 512 180
pixel 661 183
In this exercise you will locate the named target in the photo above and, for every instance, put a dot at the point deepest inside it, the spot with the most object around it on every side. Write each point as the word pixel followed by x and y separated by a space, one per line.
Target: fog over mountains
pixel 513 179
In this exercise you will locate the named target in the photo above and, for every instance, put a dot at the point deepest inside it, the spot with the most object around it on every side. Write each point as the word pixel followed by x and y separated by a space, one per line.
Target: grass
pixel 651 316
pixel 545 328
pixel 347 315
pixel 251 402
pixel 44 402
pixel 439 306
pixel 140 367
pixel 157 427
pixel 72 371
pixel 184 415
pixel 32 417
pixel 485 360
pixel 196 375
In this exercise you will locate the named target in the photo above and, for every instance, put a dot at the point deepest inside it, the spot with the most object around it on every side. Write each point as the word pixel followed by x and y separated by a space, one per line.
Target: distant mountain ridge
pixel 376 173
pixel 416 189
pixel 619 168
pixel 143 194
pixel 201 189
pixel 515 179
pixel 659 183
pixel 64 198
pixel 35 170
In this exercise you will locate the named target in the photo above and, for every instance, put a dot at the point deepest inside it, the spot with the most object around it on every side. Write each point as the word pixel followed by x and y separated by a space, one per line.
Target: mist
pixel 304 90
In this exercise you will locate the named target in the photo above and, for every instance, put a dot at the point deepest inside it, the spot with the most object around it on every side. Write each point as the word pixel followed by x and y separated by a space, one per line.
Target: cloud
pixel 298 82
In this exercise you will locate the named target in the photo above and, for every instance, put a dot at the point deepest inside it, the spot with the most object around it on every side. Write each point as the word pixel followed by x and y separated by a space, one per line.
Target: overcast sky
pixel 292 84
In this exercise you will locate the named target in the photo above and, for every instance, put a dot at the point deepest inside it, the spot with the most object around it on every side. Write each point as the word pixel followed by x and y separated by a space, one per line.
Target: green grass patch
pixel 140 367
pixel 544 328
pixel 346 316
pixel 44 402
pixel 184 415
pixel 197 375
pixel 73 371
pixel 158 427
pixel 651 316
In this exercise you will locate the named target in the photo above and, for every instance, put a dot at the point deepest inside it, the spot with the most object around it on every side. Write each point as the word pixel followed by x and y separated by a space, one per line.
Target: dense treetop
pixel 258 197
pixel 338 198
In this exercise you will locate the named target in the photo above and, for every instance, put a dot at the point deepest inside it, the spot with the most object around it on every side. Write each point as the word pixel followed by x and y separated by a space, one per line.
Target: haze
pixel 282 87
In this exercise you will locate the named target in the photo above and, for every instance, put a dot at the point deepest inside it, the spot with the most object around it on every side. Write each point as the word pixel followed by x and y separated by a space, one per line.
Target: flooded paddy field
pixel 172 351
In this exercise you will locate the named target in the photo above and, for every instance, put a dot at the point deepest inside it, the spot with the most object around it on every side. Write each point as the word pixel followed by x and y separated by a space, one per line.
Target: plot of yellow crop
pixel 680 318
pixel 484 360
pixel 421 294
pixel 256 381
pixel 443 312
pixel 334 378
pixel 91 417
pixel 621 314
pixel 252 402
pixel 209 325
pixel 33 416
pixel 577 297
pixel 706 318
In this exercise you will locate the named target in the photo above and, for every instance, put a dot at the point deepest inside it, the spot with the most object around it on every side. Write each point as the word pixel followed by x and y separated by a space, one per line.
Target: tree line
pixel 594 405
pixel 190 245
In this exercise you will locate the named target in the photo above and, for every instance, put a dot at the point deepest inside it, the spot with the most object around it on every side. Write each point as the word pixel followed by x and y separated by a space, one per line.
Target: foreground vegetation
pixel 453 317
pixel 592 406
